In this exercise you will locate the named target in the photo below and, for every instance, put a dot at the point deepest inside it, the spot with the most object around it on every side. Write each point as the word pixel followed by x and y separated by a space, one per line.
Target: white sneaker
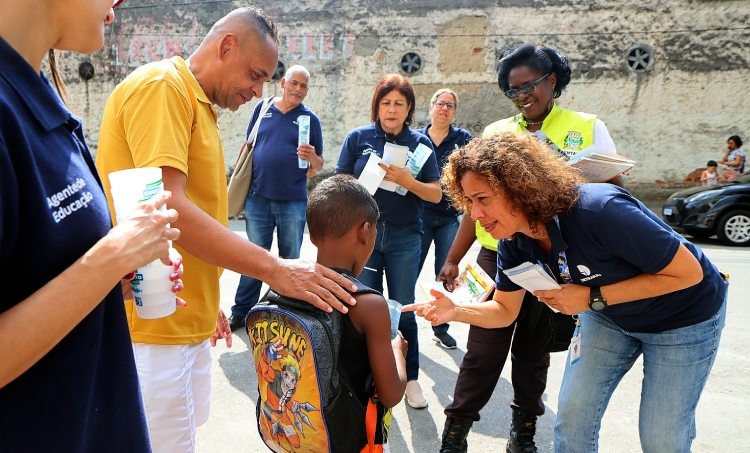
pixel 414 396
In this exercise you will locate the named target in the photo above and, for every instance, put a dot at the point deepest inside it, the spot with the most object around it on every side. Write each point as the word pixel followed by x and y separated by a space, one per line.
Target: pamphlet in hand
pixel 415 163
pixel 531 277
pixel 394 155
pixel 473 285
pixel 595 167
pixel 372 175
pixel 601 167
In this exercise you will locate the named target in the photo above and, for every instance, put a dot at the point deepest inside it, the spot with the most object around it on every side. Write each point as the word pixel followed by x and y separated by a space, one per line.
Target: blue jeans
pixel 262 216
pixel 676 364
pixel 396 252
pixel 442 229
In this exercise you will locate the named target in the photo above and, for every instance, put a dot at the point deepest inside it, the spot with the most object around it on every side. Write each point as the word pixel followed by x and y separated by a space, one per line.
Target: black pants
pixel 483 362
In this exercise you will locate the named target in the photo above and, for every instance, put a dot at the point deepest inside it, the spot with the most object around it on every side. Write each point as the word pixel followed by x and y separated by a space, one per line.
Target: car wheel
pixel 699 234
pixel 734 228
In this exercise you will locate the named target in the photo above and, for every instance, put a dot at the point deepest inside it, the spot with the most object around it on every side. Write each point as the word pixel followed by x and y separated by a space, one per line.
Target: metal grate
pixel 86 71
pixel 640 57
pixel 411 63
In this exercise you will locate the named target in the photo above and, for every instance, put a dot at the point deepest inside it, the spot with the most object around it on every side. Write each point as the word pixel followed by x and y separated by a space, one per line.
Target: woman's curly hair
pixel 526 170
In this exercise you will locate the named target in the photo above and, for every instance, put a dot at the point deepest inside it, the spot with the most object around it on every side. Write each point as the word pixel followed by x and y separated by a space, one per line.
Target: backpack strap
pixel 361 287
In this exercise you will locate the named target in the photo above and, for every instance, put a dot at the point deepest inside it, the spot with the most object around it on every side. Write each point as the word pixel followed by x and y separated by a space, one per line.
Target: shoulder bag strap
pixel 250 140
pixel 254 132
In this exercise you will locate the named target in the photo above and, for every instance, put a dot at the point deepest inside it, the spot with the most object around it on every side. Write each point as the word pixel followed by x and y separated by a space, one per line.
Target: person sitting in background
pixel 710 176
pixel 733 163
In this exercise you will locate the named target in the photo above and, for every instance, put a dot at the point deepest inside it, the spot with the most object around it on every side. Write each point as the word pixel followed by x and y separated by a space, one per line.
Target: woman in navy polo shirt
pixel 67 375
pixel 638 288
pixel 399 242
pixel 441 219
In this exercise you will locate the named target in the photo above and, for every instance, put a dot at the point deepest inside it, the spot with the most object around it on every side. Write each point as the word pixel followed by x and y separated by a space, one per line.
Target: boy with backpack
pixel 326 380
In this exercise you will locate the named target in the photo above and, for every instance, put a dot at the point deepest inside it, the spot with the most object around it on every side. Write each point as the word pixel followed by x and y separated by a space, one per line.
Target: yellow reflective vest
pixel 567 130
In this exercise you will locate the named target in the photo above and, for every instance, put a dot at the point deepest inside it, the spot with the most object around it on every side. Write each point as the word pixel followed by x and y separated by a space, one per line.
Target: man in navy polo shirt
pixel 278 193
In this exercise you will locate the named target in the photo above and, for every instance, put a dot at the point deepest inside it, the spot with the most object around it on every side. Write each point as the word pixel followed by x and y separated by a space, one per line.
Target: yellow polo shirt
pixel 159 116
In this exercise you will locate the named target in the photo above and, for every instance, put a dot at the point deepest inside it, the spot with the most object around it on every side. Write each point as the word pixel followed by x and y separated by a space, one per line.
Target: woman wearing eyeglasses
pixel 532 77
pixel 68 381
pixel 440 220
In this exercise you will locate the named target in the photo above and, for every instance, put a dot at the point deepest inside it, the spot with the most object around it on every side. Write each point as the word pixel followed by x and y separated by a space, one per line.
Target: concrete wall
pixel 670 119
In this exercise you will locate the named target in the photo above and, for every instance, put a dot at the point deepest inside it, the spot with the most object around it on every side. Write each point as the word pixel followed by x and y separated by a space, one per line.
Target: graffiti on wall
pixel 144 44
pixel 318 47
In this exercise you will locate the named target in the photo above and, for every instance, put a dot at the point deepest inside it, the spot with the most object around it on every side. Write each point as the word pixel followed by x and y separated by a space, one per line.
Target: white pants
pixel 176 386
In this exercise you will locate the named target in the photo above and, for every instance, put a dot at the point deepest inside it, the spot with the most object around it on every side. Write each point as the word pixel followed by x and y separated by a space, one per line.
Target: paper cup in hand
pixel 152 289
pixel 394 309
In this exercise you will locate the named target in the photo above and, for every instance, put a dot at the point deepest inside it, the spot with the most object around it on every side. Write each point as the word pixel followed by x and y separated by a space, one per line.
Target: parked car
pixel 723 210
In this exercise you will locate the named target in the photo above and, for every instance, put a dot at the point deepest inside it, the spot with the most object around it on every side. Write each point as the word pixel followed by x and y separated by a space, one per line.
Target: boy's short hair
pixel 712 163
pixel 337 204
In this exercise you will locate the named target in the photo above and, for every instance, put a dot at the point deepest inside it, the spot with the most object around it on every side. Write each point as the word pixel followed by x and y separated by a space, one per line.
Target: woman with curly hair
pixel 637 287
pixel 532 77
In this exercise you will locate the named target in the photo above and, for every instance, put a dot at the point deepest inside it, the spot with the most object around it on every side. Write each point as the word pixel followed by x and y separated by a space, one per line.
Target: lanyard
pixel 562 260
pixel 562 264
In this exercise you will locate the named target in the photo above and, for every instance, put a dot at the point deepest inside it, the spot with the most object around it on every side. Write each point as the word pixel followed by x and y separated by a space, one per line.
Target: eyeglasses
pixel 449 105
pixel 526 88
pixel 116 3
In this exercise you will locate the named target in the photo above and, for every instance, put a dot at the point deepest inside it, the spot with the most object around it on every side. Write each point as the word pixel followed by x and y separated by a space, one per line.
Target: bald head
pixel 236 57
pixel 244 22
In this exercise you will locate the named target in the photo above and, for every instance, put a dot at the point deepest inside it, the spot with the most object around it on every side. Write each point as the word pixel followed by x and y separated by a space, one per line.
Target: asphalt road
pixel 722 416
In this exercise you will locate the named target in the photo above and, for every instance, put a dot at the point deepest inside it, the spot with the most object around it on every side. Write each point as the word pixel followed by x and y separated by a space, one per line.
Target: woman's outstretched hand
pixel 438 311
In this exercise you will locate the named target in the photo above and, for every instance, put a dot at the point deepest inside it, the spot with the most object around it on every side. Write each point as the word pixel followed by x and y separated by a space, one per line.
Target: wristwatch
pixel 597 302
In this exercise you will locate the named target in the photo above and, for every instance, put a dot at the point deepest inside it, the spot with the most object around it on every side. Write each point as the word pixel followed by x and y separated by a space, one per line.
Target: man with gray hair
pixel 278 193
pixel 163 115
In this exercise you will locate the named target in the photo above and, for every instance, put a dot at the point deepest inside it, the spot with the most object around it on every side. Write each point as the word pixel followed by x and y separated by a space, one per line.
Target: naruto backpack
pixel 306 402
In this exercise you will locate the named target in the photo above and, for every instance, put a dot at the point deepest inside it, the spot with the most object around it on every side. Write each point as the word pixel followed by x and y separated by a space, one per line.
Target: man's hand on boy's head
pixel 313 283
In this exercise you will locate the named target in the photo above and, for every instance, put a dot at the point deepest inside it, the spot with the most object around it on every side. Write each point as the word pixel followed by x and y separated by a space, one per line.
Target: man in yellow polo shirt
pixel 163 115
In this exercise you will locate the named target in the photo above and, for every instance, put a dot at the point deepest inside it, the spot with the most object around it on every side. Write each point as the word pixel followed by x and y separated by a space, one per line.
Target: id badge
pixel 575 345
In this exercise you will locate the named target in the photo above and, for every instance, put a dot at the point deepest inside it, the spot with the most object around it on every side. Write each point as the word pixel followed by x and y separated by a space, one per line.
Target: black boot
pixel 454 434
pixel 522 430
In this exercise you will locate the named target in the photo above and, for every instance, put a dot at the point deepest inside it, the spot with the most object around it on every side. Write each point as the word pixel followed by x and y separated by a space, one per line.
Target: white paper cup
pixel 152 289
pixel 152 296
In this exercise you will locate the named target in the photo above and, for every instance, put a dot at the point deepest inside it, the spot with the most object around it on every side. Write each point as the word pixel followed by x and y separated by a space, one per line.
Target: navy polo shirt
pixel 83 395
pixel 276 172
pixel 609 236
pixel 456 138
pixel 400 210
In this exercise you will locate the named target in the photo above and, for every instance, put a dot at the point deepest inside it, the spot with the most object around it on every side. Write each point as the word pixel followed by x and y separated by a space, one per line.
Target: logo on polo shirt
pixel 368 151
pixel 69 200
pixel 573 140
pixel 586 272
